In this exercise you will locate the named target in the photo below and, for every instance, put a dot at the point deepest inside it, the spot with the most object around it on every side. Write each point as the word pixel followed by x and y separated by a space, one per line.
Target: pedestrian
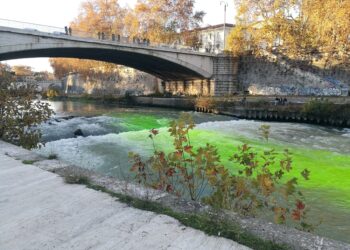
pixel 66 29
pixel 118 38
pixel 99 35
pixel 70 31
pixel 103 35
pixel 285 101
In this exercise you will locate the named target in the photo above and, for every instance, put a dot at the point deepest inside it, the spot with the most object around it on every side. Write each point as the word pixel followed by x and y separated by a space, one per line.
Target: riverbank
pixel 40 211
pixel 333 111
pixel 254 228
pixel 110 132
pixel 330 111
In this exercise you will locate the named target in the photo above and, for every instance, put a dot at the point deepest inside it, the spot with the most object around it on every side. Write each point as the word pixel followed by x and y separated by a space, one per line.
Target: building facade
pixel 211 38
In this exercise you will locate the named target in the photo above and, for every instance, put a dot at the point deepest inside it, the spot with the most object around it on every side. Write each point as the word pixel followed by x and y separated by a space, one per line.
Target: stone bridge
pixel 182 71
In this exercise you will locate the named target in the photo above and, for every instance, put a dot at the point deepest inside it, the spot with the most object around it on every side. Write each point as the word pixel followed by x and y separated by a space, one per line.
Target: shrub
pixel 199 175
pixel 51 93
pixel 208 103
pixel 324 110
pixel 319 108
pixel 76 178
pixel 20 112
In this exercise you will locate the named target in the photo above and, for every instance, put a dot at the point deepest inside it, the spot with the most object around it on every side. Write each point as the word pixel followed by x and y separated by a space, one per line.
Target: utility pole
pixel 225 7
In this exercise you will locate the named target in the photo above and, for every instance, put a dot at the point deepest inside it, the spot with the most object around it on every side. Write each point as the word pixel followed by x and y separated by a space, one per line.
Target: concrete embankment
pixel 257 108
pixel 39 211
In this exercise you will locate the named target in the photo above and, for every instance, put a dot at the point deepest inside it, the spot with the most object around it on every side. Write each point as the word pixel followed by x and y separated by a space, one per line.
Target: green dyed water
pixel 111 132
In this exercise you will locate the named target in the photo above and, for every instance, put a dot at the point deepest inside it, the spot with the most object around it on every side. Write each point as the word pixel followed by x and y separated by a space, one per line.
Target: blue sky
pixel 60 12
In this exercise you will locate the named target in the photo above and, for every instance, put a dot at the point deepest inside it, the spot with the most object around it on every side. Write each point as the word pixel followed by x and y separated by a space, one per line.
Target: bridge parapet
pixel 62 31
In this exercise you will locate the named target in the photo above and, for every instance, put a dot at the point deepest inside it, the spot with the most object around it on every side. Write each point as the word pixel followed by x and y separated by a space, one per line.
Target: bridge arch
pixel 166 64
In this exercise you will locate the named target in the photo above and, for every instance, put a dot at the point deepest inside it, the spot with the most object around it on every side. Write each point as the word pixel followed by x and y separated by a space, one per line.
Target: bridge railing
pixel 64 31
pixel 30 26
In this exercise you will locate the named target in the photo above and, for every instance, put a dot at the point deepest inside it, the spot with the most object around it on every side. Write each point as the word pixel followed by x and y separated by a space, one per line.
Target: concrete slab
pixel 39 211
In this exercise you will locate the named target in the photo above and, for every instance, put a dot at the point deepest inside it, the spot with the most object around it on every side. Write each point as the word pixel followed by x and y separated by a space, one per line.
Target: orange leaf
pixel 154 131
pixel 188 148
pixel 296 215
pixel 300 205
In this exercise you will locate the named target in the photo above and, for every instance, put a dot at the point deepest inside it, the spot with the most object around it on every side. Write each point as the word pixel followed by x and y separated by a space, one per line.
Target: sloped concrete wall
pixel 268 76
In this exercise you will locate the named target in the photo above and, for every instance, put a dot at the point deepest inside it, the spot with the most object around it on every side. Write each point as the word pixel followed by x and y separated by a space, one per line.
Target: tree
pixel 299 29
pixel 20 112
pixel 95 16
pixel 164 21
pixel 160 21
pixel 329 23
pixel 22 70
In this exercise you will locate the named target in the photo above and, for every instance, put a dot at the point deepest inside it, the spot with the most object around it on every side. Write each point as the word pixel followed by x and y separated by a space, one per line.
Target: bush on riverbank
pixel 20 112
pixel 199 175
pixel 325 110
pixel 50 94
pixel 205 103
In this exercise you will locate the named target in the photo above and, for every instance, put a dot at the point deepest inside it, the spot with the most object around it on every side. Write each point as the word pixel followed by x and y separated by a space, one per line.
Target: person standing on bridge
pixel 66 29
pixel 70 31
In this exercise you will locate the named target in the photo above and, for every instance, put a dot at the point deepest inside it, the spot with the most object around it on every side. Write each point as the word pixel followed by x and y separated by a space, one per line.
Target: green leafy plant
pixel 28 162
pixel 76 178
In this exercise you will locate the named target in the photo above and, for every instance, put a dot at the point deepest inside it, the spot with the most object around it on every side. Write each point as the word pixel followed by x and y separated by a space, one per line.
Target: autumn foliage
pixel 263 183
pixel 20 111
pixel 310 30
pixel 159 21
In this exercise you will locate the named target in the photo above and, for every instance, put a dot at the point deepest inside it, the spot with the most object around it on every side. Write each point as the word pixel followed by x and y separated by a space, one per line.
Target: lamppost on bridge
pixel 225 7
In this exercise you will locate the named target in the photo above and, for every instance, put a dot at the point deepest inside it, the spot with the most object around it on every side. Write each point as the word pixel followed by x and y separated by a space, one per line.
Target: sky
pixel 60 13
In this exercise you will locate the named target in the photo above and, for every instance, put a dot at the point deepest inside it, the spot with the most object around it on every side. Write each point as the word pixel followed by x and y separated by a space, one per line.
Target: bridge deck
pixel 163 62
pixel 124 42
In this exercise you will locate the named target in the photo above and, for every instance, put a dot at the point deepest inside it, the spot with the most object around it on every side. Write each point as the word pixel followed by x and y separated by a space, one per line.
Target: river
pixel 111 132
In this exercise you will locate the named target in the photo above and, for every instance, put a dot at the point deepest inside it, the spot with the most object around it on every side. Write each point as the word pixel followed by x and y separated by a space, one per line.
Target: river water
pixel 111 132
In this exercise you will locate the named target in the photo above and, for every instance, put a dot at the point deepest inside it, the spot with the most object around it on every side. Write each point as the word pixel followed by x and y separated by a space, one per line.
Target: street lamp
pixel 225 7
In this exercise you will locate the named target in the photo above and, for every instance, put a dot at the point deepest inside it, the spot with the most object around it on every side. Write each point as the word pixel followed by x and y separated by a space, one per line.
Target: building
pixel 211 38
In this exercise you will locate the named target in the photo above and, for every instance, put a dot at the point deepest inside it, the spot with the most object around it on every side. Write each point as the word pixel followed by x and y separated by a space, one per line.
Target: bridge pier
pixel 225 75
pixel 223 82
